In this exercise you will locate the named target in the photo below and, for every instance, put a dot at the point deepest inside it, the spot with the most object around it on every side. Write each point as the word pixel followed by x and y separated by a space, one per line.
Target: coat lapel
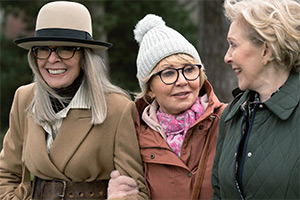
pixel 72 132
pixel 36 155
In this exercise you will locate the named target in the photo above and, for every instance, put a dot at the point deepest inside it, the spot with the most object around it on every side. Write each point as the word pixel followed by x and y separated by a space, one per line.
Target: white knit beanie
pixel 158 41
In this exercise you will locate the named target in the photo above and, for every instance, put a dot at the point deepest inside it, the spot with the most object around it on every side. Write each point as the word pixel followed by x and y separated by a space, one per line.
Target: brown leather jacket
pixel 168 176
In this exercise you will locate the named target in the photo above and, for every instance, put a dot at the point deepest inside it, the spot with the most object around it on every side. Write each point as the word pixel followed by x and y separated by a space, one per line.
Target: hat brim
pixel 29 42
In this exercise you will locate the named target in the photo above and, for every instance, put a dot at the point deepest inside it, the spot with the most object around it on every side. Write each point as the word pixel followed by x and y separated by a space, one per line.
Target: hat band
pixel 58 32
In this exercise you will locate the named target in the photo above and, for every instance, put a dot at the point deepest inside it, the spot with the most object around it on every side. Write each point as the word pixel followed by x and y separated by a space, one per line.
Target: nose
pixel 228 57
pixel 53 57
pixel 181 79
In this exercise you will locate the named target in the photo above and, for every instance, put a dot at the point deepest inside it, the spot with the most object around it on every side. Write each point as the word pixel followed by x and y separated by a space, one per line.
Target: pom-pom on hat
pixel 158 41
pixel 63 23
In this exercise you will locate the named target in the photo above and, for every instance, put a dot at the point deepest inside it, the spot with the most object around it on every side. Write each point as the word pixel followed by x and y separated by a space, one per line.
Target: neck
pixel 70 90
pixel 274 79
pixel 68 93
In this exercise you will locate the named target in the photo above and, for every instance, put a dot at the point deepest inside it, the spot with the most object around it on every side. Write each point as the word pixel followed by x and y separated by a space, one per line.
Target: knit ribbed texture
pixel 158 41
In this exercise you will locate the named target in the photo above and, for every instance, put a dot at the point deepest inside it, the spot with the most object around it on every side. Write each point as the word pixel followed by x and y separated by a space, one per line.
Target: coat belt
pixel 65 190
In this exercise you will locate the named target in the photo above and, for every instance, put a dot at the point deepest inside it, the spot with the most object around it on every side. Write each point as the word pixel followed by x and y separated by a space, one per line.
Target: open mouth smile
pixel 237 71
pixel 56 71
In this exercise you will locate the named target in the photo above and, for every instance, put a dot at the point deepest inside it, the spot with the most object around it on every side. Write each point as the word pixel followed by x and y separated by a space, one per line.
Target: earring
pixel 263 62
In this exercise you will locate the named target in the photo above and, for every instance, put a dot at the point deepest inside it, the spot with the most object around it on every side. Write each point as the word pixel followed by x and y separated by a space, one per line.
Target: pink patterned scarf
pixel 176 127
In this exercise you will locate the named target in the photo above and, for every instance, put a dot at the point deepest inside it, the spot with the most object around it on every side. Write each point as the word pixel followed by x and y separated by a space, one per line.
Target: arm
pixel 121 186
pixel 127 154
pixel 215 179
pixel 11 184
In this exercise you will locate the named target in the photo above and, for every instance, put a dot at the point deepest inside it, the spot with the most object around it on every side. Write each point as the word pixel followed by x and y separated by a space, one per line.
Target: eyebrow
pixel 230 37
pixel 164 66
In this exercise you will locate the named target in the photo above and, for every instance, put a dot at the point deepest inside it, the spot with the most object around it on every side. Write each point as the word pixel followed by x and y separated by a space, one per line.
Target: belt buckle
pixel 63 193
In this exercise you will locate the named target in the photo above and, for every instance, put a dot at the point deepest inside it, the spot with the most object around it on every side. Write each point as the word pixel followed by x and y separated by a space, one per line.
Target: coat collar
pixel 282 104
pixel 151 142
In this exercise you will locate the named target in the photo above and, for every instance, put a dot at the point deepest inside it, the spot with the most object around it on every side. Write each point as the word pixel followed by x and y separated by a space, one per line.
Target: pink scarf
pixel 176 127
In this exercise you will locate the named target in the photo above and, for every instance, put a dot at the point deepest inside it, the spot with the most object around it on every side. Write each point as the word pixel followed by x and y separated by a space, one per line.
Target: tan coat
pixel 80 152
pixel 170 177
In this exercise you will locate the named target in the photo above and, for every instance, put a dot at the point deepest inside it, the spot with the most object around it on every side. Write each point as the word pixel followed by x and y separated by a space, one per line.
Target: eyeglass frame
pixel 54 50
pixel 182 71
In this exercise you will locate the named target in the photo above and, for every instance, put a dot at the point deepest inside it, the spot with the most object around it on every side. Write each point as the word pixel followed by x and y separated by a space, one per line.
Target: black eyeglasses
pixel 170 75
pixel 64 52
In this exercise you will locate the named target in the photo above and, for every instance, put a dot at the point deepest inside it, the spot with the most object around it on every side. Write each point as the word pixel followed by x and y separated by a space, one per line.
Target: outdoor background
pixel 201 22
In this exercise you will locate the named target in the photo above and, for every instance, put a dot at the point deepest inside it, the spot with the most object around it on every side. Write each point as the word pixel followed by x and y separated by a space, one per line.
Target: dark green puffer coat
pixel 270 157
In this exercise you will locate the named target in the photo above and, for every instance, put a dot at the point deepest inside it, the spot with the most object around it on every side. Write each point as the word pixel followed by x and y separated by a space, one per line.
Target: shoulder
pixel 118 100
pixel 118 103
pixel 26 89
pixel 24 94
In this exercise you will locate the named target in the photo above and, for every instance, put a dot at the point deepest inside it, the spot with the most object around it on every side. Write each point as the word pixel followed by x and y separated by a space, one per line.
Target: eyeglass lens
pixel 62 52
pixel 170 75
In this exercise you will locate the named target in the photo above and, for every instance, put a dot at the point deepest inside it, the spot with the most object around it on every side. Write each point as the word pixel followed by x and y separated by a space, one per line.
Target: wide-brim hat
pixel 63 23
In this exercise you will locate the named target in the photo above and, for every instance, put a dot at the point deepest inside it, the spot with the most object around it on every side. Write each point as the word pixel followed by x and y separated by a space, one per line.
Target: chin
pixel 183 109
pixel 242 87
pixel 56 86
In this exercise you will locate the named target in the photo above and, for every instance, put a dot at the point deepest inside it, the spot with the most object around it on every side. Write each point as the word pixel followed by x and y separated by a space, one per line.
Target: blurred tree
pixel 212 46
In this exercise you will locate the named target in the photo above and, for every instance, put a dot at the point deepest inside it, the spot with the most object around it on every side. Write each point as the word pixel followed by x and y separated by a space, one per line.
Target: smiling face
pixel 245 57
pixel 178 97
pixel 59 73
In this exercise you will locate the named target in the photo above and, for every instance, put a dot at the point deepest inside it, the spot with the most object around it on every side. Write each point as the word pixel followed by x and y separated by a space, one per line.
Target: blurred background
pixel 200 21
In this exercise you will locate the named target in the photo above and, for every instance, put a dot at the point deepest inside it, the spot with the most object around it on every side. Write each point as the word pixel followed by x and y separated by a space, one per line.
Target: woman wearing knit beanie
pixel 178 114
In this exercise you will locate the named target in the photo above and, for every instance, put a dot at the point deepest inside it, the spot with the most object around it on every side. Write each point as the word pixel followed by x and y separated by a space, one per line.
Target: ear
pixel 151 94
pixel 266 53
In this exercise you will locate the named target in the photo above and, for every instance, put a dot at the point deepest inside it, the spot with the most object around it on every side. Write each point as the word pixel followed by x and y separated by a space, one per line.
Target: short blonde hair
pixel 276 22
pixel 184 58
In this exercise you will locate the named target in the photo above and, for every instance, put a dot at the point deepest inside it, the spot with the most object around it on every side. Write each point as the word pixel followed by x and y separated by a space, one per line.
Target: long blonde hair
pixel 276 22
pixel 95 85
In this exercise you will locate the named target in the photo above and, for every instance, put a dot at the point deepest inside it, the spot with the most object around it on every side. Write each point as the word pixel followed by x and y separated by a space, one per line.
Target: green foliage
pixel 117 21
pixel 14 72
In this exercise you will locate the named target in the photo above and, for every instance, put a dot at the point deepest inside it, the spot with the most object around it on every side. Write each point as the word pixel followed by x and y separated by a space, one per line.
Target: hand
pixel 121 186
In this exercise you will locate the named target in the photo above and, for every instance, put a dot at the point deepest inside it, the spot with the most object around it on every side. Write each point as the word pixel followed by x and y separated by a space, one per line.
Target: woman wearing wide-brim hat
pixel 71 127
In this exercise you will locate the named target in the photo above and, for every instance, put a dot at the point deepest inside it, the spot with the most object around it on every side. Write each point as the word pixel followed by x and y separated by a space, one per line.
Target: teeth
pixel 55 72
pixel 237 70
